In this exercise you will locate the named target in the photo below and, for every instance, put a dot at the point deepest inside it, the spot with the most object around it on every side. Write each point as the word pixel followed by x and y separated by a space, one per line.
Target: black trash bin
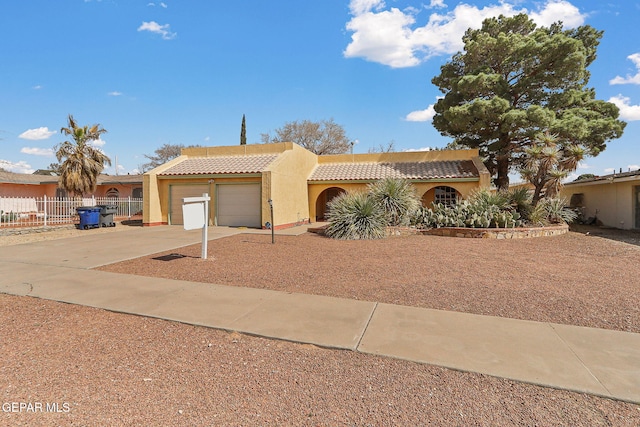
pixel 89 217
pixel 106 215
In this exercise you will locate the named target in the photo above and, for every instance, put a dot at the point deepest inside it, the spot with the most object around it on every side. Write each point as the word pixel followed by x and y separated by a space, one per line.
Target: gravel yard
pixel 116 369
pixel 574 279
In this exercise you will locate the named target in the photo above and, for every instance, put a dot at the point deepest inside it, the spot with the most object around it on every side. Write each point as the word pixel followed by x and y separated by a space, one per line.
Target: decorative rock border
pixel 498 233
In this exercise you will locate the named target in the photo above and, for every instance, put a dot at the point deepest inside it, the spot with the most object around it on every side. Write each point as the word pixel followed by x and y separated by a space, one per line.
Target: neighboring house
pixel 242 179
pixel 614 199
pixel 36 185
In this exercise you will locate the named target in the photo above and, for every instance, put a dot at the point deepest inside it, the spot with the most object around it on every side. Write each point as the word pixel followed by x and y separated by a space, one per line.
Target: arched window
pixel 446 195
pixel 113 193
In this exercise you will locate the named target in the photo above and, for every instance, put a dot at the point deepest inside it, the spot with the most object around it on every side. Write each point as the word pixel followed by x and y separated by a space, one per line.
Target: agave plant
pixel 397 198
pixel 355 216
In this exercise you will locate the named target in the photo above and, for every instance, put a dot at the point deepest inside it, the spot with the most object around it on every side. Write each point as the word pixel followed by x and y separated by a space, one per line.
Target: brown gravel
pixel 115 369
pixel 572 279
pixel 121 370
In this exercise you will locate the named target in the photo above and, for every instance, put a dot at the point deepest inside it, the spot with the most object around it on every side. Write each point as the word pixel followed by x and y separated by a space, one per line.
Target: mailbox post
pixel 195 213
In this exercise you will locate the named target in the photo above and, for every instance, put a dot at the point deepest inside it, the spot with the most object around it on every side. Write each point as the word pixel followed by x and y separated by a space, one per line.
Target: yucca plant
pixel 552 211
pixel 557 212
pixel 397 198
pixel 355 216
pixel 485 198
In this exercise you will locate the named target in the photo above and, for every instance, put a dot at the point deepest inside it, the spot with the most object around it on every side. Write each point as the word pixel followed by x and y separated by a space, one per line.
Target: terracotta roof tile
pixel 221 165
pixel 408 170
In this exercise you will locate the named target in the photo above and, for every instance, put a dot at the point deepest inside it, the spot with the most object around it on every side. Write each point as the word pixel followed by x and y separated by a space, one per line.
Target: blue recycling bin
pixel 89 217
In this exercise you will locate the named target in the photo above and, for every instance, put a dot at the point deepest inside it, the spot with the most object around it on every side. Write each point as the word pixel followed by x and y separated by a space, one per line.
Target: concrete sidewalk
pixel 596 361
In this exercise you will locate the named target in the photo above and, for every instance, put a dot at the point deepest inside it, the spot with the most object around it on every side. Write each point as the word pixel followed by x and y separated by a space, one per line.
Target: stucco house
pixel 39 185
pixel 614 199
pixel 242 179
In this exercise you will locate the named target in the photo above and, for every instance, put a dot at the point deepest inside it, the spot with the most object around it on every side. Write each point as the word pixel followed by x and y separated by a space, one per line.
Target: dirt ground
pixel 102 368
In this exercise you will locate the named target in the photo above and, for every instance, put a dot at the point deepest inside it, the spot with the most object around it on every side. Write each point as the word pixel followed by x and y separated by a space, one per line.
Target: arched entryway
pixel 325 197
pixel 446 195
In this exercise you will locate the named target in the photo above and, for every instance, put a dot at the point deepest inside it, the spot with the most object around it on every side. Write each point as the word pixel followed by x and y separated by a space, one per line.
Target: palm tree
pixel 83 162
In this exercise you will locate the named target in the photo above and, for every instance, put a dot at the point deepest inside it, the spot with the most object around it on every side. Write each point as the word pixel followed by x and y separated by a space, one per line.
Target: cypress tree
pixel 243 132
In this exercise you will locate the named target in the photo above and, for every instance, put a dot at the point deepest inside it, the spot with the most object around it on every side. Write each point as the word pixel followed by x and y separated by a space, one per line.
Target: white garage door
pixel 238 205
pixel 179 192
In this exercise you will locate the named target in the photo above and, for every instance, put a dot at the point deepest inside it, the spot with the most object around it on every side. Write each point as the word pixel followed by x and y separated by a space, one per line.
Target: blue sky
pixel 184 72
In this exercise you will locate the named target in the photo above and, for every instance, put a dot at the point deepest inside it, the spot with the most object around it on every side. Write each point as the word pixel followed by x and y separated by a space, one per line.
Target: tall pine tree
pixel 515 81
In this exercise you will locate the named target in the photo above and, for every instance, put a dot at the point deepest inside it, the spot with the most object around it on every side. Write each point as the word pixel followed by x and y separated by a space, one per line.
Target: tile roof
pixel 119 179
pixel 220 165
pixel 610 177
pixel 408 170
pixel 35 179
pixel 25 178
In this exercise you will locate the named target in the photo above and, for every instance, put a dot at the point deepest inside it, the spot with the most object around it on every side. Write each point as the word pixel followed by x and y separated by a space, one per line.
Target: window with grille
pixel 446 195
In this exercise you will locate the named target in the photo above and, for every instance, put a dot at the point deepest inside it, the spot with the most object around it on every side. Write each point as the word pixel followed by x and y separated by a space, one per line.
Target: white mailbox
pixel 195 214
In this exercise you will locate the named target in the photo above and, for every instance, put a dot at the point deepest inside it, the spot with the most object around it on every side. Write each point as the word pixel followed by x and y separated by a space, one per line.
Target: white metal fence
pixel 44 211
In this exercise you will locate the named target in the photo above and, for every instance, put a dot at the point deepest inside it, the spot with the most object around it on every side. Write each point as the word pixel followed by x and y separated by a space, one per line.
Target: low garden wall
pixel 474 233
pixel 498 233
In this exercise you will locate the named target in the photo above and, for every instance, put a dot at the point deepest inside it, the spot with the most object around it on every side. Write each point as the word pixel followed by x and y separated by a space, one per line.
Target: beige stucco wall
pixel 612 201
pixel 237 150
pixel 285 182
pixel 152 213
pixel 464 187
pixel 315 190
pixel 156 189
pixel 408 156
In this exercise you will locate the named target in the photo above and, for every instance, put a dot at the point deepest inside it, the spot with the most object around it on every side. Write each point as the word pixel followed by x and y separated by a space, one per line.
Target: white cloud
pixel 156 28
pixel 19 167
pixel 37 87
pixel 617 80
pixel 387 36
pixel 97 143
pixel 411 150
pixel 421 115
pixel 633 167
pixel 437 4
pixel 627 111
pixel 48 152
pixel 115 93
pixel 583 165
pixel 37 134
pixel 358 7
pixel 558 10
pixel 161 4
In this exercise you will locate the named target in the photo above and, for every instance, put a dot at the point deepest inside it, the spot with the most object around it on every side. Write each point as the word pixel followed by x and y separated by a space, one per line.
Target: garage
pixel 179 192
pixel 239 205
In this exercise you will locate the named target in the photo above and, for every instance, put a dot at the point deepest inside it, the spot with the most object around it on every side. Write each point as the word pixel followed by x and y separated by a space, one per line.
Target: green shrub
pixel 397 198
pixel 521 200
pixel 8 216
pixel 552 211
pixel 355 216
